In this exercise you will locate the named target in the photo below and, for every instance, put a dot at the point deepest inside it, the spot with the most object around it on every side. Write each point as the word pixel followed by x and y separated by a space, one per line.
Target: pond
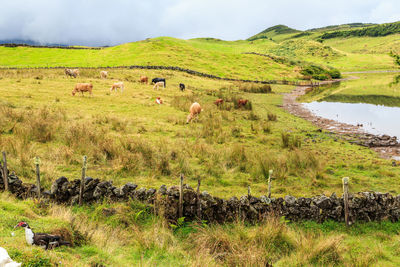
pixel 376 119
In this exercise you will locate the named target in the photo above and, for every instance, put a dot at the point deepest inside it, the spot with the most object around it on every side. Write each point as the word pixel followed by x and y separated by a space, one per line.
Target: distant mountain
pixel 28 42
pixel 342 27
pixel 372 31
pixel 19 41
pixel 273 31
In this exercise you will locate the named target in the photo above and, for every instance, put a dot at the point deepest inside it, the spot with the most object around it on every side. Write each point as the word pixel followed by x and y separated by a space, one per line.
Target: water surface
pixel 376 119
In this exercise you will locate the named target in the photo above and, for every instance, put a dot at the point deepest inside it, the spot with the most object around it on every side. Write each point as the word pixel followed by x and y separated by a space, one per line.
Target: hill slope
pixel 273 32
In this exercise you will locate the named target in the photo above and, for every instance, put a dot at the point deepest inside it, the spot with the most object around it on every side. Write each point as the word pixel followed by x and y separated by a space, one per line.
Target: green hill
pixel 372 31
pixel 342 27
pixel 272 32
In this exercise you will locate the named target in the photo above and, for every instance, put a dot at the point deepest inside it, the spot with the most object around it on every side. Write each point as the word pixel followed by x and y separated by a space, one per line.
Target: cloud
pixel 101 22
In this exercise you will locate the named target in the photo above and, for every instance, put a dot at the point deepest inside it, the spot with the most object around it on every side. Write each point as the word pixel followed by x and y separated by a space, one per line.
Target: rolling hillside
pixel 227 58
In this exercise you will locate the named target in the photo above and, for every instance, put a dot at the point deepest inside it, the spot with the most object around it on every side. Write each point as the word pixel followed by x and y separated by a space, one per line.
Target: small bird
pixel 46 241
pixel 6 261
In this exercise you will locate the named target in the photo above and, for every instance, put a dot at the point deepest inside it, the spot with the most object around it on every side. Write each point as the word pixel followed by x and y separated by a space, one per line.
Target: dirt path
pixel 370 71
pixel 355 134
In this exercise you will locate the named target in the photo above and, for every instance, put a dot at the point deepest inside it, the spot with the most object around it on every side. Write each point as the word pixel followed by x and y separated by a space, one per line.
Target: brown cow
pixel 242 102
pixel 144 79
pixel 194 110
pixel 83 87
pixel 219 102
pixel 76 71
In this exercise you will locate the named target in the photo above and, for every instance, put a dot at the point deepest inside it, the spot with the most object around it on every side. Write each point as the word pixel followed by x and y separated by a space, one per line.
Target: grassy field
pixel 128 137
pixel 133 236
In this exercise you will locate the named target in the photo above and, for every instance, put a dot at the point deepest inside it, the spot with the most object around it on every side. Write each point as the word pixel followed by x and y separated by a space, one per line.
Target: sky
pixel 111 22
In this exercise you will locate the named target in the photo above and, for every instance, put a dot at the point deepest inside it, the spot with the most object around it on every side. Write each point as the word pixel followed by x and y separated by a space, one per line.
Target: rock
pixel 265 199
pixel 323 202
pixel 290 200
pixel 128 189
pixel 173 191
pixel 163 190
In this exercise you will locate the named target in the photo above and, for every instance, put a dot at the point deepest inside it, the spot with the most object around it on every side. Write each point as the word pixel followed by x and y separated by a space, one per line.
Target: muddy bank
pixel 386 146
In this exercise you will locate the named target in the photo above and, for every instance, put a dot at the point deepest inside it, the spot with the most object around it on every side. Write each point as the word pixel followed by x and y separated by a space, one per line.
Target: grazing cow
pixel 182 87
pixel 117 85
pixel 159 100
pixel 156 80
pixel 70 73
pixel 83 87
pixel 144 79
pixel 194 110
pixel 76 71
pixel 158 84
pixel 242 102
pixel 103 74
pixel 219 102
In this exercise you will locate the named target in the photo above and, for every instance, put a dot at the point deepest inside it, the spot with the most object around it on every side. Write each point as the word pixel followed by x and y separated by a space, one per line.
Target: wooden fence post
pixel 198 200
pixel 5 172
pixel 181 198
pixel 248 192
pixel 269 183
pixel 84 166
pixel 37 162
pixel 345 181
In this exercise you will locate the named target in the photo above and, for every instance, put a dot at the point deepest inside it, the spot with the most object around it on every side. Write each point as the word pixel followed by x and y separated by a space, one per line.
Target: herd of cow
pixel 194 109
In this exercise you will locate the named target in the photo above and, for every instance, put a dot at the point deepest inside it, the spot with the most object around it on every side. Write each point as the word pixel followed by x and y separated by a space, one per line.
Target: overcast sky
pixel 110 22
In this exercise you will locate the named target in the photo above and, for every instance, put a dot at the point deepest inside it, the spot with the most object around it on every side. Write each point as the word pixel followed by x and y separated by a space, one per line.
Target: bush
pixel 319 73
pixel 236 131
pixel 266 127
pixel 289 141
pixel 272 117
pixel 255 88
pixel 335 74
pixel 321 77
pixel 252 116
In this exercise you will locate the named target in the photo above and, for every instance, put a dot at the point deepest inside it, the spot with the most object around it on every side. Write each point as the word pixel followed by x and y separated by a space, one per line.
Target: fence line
pixel 183 201
pixel 175 68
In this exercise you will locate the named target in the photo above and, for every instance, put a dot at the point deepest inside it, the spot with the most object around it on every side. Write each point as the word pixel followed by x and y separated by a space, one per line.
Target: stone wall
pixel 365 206
pixel 174 68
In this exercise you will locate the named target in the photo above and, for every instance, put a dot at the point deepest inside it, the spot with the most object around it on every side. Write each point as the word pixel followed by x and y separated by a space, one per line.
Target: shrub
pixel 320 73
pixel 236 131
pixel 289 141
pixel 266 127
pixel 237 157
pixel 285 140
pixel 252 116
pixel 335 74
pixel 254 88
pixel 272 117
pixel 321 77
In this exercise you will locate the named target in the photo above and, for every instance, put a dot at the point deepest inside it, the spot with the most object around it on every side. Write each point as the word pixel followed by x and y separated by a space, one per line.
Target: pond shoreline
pixel 386 146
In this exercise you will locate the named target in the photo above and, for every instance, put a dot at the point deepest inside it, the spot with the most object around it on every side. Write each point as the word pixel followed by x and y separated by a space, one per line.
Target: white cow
pixel 117 85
